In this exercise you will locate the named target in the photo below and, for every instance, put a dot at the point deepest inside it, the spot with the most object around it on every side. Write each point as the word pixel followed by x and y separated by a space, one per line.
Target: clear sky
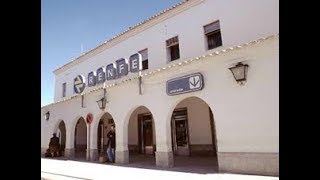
pixel 66 24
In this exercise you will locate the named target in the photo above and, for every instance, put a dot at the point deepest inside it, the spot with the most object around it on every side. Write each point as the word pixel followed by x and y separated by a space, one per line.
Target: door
pixel 146 134
pixel 180 132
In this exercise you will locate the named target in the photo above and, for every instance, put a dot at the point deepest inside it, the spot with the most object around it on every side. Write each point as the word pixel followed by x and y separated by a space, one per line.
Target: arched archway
pixel 105 123
pixel 80 139
pixel 193 134
pixel 141 136
pixel 61 134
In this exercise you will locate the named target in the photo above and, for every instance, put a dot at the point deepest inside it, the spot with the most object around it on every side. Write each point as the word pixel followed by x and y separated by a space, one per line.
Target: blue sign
pixel 185 84
pixel 101 75
pixel 78 84
pixel 135 62
pixel 111 71
pixel 91 79
pixel 122 67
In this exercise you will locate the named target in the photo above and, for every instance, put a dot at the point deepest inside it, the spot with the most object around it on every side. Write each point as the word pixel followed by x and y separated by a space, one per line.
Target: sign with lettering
pixel 185 84
pixel 122 67
pixel 112 71
pixel 92 79
pixel 135 62
pixel 79 84
pixel 101 75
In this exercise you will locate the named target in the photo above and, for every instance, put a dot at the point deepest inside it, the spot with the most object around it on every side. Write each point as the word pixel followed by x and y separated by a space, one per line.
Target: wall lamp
pixel 240 72
pixel 102 102
pixel 47 115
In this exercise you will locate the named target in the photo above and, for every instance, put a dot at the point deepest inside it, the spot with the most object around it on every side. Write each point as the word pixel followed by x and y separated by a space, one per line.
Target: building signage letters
pixel 112 71
pixel 185 84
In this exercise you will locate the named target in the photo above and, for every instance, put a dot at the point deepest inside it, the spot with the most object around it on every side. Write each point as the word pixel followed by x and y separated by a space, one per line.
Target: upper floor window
pixel 64 85
pixel 213 35
pixel 173 48
pixel 144 54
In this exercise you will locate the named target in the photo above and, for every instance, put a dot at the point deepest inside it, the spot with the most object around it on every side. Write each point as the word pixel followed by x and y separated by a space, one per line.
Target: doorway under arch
pixel 141 137
pixel 80 139
pixel 61 134
pixel 105 123
pixel 193 134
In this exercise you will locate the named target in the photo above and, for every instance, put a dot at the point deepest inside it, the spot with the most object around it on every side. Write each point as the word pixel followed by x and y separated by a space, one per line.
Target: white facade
pixel 246 118
pixel 240 22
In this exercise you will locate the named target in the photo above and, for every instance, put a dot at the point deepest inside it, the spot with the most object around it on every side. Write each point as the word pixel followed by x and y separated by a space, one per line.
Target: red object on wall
pixel 89 118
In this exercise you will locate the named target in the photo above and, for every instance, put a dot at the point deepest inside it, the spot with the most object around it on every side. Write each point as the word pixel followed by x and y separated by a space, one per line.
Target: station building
pixel 200 78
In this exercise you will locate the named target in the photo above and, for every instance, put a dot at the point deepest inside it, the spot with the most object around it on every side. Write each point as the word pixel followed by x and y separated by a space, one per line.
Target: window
pixel 173 48
pixel 144 54
pixel 213 35
pixel 64 89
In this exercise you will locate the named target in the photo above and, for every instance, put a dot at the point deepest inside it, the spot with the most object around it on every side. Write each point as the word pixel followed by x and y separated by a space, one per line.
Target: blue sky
pixel 66 24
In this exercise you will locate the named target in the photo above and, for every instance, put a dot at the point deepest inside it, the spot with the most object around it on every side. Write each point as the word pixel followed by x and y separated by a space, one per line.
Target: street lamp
pixel 102 102
pixel 47 115
pixel 240 72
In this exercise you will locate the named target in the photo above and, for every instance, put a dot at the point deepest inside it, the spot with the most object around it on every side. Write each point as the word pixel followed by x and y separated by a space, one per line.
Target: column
pixel 69 150
pixel 94 156
pixel 164 154
pixel 88 143
pixel 122 153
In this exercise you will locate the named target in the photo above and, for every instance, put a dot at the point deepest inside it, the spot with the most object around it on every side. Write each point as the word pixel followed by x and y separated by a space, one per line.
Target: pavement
pixel 62 169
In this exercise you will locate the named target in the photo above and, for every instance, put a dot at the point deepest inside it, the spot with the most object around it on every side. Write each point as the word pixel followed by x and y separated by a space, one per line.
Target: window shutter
pixel 144 54
pixel 211 27
pixel 172 41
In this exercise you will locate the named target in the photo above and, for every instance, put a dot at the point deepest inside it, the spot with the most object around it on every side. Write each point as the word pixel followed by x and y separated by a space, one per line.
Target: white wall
pixel 240 21
pixel 246 117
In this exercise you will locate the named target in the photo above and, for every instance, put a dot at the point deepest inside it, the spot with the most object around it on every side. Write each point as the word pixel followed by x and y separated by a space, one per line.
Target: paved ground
pixel 140 167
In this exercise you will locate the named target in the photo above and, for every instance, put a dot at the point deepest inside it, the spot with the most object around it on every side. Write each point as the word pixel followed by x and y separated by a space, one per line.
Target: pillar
pixel 164 154
pixel 88 143
pixel 69 149
pixel 93 153
pixel 122 152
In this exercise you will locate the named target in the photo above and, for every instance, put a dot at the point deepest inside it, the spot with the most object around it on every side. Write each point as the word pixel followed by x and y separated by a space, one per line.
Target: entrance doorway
pixel 180 132
pixel 141 137
pixel 105 123
pixel 193 135
pixel 80 139
pixel 61 133
pixel 145 134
